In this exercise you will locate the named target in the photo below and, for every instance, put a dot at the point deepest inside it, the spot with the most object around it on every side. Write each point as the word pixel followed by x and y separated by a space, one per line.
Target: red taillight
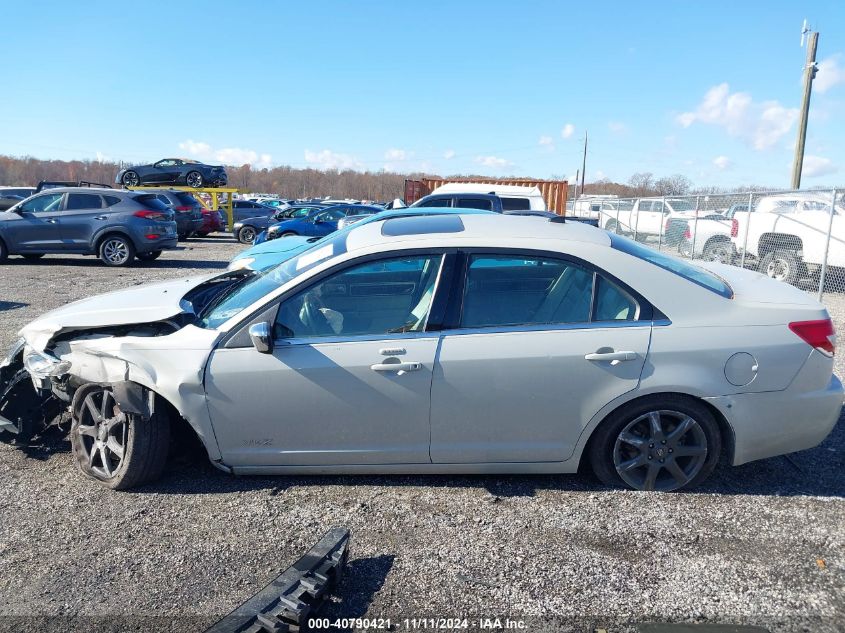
pixel 734 228
pixel 150 215
pixel 185 208
pixel 818 334
pixel 152 236
pixel 666 226
pixel 687 233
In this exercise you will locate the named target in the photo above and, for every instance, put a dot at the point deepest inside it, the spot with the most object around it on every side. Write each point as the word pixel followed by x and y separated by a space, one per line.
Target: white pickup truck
pixel 649 217
pixel 787 234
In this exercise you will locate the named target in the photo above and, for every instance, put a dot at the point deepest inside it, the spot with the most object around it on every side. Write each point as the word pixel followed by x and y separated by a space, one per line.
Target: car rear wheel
pixel 131 179
pixel 116 250
pixel 663 443
pixel 194 179
pixel 4 252
pixel 246 235
pixel 781 265
pixel 718 251
pixel 119 450
pixel 149 256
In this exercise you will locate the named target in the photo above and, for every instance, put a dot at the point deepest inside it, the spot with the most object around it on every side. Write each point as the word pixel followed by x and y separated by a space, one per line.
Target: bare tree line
pixel 291 182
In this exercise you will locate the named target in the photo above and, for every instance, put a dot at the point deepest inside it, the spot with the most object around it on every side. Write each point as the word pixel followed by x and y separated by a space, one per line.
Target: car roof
pixel 97 190
pixel 493 229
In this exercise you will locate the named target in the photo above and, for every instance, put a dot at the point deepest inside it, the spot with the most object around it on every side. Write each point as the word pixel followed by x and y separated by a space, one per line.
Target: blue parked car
pixel 269 253
pixel 317 222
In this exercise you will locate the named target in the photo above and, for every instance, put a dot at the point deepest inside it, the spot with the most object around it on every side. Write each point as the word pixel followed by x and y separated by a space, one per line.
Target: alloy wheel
pixel 131 179
pixel 660 450
pixel 116 251
pixel 247 235
pixel 778 269
pixel 103 432
pixel 194 180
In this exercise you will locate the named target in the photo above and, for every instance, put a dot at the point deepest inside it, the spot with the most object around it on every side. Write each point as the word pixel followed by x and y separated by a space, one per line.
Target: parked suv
pixel 188 211
pixel 117 226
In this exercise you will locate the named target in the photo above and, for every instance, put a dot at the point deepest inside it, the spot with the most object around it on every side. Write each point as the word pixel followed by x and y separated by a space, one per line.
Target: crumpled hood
pixel 136 304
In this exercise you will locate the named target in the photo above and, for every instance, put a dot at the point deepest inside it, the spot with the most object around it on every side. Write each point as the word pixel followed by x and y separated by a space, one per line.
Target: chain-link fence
pixel 794 236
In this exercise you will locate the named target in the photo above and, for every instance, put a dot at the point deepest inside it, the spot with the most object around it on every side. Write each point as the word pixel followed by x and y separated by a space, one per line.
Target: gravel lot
pixel 760 544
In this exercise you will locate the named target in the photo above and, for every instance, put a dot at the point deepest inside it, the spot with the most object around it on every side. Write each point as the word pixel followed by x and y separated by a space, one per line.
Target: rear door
pixel 540 345
pixel 83 214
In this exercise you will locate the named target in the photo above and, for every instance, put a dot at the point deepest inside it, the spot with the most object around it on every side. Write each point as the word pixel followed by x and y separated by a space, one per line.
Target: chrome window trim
pixel 553 327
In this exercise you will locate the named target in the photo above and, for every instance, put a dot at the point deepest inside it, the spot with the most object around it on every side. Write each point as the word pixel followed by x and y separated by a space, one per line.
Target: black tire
pixel 637 451
pixel 144 444
pixel 130 179
pixel 246 235
pixel 194 179
pixel 200 234
pixel 116 250
pixel 718 251
pixel 148 256
pixel 4 252
pixel 611 226
pixel 32 255
pixel 784 266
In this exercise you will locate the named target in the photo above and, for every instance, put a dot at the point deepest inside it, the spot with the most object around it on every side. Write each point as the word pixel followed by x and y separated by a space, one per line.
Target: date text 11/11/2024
pixel 388 624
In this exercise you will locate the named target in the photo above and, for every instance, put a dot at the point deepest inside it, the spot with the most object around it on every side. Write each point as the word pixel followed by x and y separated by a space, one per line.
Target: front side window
pixel 384 297
pixel 437 202
pixel 77 201
pixel 43 204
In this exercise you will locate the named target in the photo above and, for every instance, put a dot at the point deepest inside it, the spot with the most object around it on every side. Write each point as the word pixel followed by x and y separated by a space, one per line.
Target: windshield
pixel 252 288
pixel 682 205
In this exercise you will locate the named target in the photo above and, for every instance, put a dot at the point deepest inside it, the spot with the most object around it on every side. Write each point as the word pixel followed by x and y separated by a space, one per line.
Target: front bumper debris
pixel 285 604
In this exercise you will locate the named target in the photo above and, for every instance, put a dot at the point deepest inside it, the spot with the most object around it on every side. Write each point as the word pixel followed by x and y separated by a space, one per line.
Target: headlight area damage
pixel 110 341
pixel 36 386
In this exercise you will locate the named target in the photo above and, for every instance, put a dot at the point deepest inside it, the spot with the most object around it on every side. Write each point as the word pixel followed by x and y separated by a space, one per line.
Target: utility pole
pixel 584 164
pixel 809 75
pixel 577 176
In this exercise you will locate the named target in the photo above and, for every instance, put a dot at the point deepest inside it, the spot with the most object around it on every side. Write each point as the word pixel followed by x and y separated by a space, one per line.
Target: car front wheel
pixel 246 235
pixel 116 250
pixel 718 251
pixel 117 449
pixel 130 179
pixel 663 443
pixel 781 265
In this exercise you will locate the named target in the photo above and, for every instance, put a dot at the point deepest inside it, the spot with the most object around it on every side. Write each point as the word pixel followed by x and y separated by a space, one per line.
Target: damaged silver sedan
pixel 442 344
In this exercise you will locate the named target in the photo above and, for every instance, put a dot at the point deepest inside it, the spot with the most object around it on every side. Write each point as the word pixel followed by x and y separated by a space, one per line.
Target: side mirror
pixel 261 335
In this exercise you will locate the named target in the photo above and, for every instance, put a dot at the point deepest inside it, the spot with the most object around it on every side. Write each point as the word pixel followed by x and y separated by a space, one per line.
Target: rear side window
pixel 151 202
pixel 111 200
pixel 186 199
pixel 691 273
pixel 83 201
pixel 475 203
pixel 515 204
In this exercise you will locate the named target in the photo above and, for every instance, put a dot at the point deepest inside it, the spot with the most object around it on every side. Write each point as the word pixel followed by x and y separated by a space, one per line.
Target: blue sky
pixel 706 89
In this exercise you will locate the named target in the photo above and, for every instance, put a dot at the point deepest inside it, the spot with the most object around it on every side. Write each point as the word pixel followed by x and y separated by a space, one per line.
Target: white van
pixel 514 197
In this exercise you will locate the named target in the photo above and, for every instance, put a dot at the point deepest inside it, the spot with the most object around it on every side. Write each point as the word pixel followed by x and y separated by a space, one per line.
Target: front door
pixel 349 379
pixel 536 355
pixel 38 225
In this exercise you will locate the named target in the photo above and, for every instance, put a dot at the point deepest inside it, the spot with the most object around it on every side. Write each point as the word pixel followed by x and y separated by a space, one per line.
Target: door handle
pixel 102 217
pixel 400 368
pixel 51 220
pixel 613 357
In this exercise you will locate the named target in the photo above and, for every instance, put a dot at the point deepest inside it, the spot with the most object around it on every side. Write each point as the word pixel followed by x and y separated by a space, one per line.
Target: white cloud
pixel 567 131
pixel 830 74
pixel 492 161
pixel 617 127
pixel 327 159
pixel 722 162
pixel 226 155
pixel 397 154
pixel 547 142
pixel 448 154
pixel 760 124
pixel 817 166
